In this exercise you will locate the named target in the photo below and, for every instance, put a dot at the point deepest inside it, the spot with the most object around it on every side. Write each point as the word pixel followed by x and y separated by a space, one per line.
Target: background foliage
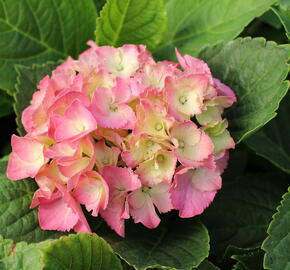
pixel 243 229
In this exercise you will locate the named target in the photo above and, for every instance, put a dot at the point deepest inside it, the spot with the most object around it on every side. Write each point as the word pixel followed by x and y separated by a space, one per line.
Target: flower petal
pixel 26 158
pixel 185 95
pixel 92 190
pixel 193 190
pixel 142 209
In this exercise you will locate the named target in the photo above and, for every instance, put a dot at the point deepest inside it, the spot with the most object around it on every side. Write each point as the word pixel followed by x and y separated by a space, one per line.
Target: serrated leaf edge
pixel 263 246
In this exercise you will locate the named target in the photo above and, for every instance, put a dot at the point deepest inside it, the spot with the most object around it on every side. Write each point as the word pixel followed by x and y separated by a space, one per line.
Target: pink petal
pixel 93 191
pixel 108 114
pixel 76 123
pixel 141 148
pixel 142 209
pixel 57 215
pixel 65 100
pixel 106 155
pixel 194 190
pixel 222 161
pixel 185 95
pixel 75 167
pixel 114 215
pixel 224 90
pixel 158 169
pixel 114 136
pixel 152 120
pixel 155 75
pixel 194 146
pixel 122 62
pixel 161 197
pixel 82 223
pixel 26 158
pixel 122 179
pixel 62 149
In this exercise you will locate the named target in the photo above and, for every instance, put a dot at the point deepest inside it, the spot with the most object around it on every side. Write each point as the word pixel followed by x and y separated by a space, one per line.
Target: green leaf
pixel 175 244
pixel 194 24
pixel 17 221
pixel 251 261
pixel 207 265
pixel 27 81
pixel 228 261
pixel 6 104
pixel 284 16
pixel 271 19
pixel 242 209
pixel 24 256
pixel 37 31
pixel 239 266
pixel 99 4
pixel 131 22
pixel 284 4
pixel 246 65
pixel 6 246
pixel 81 251
pixel 277 244
pixel 272 141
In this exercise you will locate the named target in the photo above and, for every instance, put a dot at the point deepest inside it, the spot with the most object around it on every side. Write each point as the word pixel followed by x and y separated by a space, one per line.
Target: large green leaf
pixel 175 244
pixel 24 256
pixel 131 21
pixel 255 70
pixel 242 209
pixel 277 244
pixel 34 31
pixel 81 251
pixel 17 221
pixel 194 24
pixel 27 81
pixel 272 141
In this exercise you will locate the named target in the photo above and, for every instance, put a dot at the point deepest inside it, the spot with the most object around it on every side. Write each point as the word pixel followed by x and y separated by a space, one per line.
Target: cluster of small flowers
pixel 124 136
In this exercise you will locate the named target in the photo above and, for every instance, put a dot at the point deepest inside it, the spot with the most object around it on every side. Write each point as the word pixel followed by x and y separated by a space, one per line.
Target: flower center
pixel 113 108
pixel 181 144
pixel 182 100
pixel 160 159
pixel 145 188
pixel 158 127
pixel 149 143
pixel 105 161
pixel 120 68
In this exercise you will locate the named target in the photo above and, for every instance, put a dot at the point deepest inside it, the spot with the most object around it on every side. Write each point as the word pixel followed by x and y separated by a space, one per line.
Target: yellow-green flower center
pixel 181 144
pixel 160 158
pixel 105 161
pixel 158 127
pixel 113 108
pixel 182 100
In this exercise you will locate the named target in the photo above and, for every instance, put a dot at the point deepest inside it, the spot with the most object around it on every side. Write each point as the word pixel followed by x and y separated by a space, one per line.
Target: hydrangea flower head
pixel 124 136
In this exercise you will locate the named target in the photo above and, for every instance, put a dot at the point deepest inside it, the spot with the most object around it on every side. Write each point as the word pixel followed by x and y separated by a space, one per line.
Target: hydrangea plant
pixel 151 112
pixel 111 131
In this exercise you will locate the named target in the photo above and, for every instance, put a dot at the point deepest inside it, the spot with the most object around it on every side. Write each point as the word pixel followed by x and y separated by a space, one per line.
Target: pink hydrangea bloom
pixel 124 136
